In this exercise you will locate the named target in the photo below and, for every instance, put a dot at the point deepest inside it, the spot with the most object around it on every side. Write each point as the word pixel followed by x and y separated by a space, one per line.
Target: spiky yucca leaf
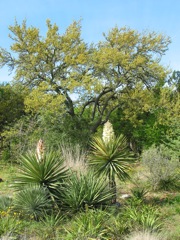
pixel 86 190
pixel 33 201
pixel 49 173
pixel 111 158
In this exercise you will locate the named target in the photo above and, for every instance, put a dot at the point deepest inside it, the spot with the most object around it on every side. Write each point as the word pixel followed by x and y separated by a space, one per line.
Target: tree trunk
pixel 112 185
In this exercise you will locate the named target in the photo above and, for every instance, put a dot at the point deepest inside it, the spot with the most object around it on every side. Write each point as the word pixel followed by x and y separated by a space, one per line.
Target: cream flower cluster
pixel 40 150
pixel 108 132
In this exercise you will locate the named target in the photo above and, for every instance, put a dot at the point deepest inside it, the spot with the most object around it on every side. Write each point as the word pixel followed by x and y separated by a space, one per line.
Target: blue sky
pixel 98 16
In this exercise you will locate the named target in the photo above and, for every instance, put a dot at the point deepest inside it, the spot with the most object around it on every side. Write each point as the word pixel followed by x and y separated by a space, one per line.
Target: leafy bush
pixel 6 155
pixel 162 168
pixel 85 189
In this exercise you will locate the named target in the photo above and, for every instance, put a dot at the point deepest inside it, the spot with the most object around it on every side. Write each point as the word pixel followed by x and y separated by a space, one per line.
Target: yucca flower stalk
pixel 40 150
pixel 111 156
pixel 108 132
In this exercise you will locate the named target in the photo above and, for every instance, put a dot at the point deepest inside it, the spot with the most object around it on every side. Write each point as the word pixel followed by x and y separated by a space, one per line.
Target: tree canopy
pixel 85 83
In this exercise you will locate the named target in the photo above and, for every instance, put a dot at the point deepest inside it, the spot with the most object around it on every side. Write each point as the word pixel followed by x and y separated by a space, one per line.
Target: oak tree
pixel 84 81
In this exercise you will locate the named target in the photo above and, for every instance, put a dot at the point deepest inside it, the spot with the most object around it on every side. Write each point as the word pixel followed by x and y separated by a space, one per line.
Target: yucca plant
pixel 33 202
pixel 139 193
pixel 49 173
pixel 83 190
pixel 111 158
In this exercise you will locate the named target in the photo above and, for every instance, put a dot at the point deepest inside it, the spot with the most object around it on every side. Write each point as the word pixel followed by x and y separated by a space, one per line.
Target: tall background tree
pixel 81 86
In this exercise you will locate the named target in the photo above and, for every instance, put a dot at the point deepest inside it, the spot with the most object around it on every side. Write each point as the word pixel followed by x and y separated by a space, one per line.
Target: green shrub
pixel 6 155
pixel 162 167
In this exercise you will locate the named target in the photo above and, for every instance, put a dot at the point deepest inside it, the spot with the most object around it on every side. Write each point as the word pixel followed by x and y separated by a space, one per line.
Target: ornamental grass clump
pixel 110 156
pixel 74 157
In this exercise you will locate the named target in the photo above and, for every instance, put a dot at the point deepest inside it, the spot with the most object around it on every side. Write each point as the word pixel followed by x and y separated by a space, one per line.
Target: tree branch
pixel 96 102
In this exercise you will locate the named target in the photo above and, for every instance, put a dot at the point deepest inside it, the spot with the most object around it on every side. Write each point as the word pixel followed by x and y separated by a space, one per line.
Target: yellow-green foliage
pixel 64 74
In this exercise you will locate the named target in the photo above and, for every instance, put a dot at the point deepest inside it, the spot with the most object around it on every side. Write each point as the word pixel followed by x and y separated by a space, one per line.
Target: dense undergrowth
pixel 104 193
pixel 154 215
